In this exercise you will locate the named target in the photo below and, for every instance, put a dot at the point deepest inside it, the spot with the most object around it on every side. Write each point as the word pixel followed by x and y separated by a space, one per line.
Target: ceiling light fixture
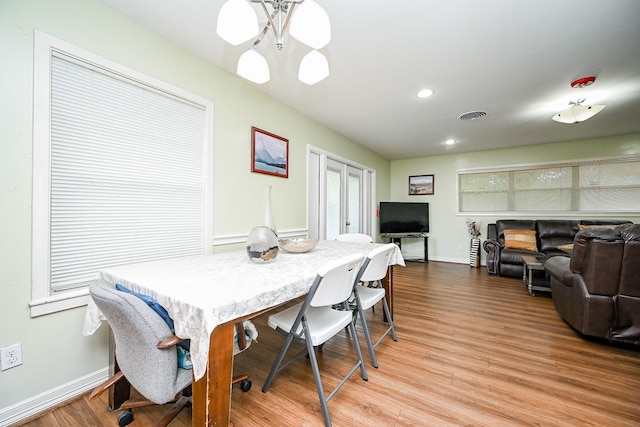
pixel 425 93
pixel 238 23
pixel 577 112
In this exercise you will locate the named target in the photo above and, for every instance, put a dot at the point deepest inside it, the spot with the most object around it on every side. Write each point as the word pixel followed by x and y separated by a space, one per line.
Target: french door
pixel 341 196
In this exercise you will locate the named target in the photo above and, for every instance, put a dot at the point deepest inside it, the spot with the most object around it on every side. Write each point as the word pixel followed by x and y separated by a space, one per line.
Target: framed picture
pixel 420 185
pixel 269 153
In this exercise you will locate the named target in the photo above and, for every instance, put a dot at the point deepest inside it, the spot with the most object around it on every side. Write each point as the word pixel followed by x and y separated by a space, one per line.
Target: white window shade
pixel 127 173
pixel 587 186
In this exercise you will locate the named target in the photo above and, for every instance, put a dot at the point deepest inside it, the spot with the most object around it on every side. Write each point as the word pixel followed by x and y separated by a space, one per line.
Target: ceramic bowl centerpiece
pixel 298 245
pixel 262 245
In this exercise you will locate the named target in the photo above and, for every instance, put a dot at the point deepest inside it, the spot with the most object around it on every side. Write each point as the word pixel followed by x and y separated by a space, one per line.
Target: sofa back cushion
pixel 604 222
pixel 597 256
pixel 553 233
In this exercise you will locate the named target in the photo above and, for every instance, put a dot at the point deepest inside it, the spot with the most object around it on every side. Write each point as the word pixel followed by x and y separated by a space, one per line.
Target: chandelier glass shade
pixel 238 23
pixel 577 112
pixel 253 66
pixel 313 68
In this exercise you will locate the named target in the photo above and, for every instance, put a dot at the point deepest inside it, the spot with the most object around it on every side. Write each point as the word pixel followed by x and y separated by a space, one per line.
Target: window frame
pixel 43 299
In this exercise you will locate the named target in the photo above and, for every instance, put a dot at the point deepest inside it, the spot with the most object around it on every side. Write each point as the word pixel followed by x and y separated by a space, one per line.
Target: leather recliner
pixel 597 290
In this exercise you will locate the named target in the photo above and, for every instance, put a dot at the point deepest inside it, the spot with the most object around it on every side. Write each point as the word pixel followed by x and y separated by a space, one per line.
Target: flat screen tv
pixel 404 218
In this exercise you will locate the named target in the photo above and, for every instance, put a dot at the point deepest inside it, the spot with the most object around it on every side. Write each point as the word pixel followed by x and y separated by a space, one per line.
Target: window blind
pixel 592 186
pixel 127 173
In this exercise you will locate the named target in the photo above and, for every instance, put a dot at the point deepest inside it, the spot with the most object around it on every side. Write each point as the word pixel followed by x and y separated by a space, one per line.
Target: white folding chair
pixel 373 270
pixel 314 322
pixel 355 237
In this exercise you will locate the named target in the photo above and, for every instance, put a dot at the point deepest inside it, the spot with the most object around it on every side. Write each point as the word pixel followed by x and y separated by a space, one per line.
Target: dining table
pixel 206 295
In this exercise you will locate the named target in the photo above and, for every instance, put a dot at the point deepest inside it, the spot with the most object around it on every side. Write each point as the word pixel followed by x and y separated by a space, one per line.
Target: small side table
pixel 531 264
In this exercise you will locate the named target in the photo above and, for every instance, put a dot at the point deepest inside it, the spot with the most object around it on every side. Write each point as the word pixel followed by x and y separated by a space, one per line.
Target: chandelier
pixel 577 112
pixel 238 23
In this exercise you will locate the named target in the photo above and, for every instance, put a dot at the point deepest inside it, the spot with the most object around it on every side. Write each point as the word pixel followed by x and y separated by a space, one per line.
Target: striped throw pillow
pixel 520 239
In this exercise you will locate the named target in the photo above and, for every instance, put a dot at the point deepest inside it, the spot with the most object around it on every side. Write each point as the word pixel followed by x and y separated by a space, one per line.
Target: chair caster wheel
pixel 245 385
pixel 125 418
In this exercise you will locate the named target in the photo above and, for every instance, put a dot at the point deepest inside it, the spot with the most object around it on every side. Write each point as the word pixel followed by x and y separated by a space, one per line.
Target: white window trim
pixel 541 214
pixel 43 301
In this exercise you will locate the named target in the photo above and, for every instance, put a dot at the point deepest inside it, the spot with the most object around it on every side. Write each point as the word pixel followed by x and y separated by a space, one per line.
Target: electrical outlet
pixel 10 356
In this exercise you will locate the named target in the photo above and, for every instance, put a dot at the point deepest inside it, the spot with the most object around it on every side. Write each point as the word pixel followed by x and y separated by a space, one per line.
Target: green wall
pixel 56 357
pixel 55 353
pixel 448 237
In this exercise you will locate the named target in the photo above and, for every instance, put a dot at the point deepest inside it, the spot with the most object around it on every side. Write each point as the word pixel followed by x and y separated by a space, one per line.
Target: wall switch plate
pixel 10 356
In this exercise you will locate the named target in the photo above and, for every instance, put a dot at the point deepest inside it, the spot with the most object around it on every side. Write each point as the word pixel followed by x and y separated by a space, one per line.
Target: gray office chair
pixel 314 322
pixel 373 270
pixel 355 237
pixel 146 354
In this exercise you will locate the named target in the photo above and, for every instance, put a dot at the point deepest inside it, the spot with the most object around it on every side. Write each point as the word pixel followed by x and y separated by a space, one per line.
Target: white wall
pixel 57 359
pixel 448 237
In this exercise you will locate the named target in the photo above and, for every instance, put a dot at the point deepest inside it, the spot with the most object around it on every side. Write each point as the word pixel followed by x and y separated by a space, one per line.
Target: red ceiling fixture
pixel 583 82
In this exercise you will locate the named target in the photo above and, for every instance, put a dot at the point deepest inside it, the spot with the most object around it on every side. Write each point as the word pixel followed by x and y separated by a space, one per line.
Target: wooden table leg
pixel 212 393
pixel 121 391
pixel 387 283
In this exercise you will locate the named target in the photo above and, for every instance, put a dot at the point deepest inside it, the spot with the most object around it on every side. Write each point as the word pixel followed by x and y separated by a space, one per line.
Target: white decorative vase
pixel 267 213
pixel 262 245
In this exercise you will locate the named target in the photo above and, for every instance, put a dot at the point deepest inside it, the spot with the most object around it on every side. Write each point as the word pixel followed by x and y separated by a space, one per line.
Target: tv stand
pixel 398 241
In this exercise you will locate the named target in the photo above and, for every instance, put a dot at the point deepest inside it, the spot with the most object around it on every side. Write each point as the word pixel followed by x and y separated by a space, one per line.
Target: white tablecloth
pixel 202 292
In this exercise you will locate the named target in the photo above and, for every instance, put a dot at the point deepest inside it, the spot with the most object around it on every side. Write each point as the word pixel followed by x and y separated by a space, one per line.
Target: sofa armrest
pixel 558 267
pixel 492 247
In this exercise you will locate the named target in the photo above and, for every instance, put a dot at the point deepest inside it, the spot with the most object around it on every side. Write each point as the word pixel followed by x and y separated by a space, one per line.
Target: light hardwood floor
pixel 472 350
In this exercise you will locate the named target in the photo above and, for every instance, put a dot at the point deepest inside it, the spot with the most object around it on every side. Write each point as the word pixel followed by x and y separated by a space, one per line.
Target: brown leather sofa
pixel 551 235
pixel 597 289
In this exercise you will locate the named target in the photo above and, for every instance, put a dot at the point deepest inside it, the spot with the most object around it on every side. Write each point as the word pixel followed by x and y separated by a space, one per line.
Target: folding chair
pixel 314 322
pixel 373 270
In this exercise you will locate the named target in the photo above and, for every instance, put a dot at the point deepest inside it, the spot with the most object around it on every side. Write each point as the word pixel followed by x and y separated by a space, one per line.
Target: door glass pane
pixel 354 204
pixel 333 203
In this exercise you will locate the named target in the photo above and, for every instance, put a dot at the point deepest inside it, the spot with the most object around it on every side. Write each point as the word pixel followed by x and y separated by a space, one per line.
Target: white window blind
pixel 596 186
pixel 127 173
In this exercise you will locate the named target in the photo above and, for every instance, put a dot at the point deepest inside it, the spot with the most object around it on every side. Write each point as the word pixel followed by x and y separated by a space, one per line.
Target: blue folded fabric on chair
pixel 151 303
pixel 184 358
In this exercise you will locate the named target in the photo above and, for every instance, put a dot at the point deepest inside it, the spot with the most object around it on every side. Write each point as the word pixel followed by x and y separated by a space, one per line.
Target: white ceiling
pixel 514 60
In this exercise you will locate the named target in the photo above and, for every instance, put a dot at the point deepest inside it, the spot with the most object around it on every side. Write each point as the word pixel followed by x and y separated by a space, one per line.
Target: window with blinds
pixel 127 174
pixel 607 186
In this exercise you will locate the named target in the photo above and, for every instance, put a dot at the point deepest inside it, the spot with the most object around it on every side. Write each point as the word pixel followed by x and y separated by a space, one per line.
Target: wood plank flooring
pixel 472 350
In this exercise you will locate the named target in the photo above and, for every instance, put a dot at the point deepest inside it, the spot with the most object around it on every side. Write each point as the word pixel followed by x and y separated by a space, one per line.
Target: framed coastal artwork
pixel 421 185
pixel 269 153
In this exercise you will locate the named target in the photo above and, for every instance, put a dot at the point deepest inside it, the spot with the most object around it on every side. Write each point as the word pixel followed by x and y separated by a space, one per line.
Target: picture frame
pixel 269 153
pixel 421 185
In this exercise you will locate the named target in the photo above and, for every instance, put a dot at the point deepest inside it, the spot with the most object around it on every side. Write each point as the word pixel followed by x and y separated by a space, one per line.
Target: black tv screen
pixel 404 217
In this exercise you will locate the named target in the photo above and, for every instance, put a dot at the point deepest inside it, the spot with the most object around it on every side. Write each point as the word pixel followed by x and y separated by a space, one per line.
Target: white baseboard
pixel 47 400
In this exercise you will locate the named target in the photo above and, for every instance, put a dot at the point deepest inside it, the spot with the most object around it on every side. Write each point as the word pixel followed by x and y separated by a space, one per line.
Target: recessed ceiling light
pixel 425 93
pixel 450 141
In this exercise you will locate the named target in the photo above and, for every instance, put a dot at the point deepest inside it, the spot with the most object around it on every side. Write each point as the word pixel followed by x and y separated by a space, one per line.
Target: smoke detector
pixel 583 82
